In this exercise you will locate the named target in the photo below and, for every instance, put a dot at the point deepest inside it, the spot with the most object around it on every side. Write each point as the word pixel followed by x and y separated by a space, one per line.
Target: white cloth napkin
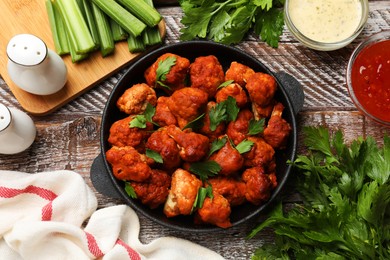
pixel 42 216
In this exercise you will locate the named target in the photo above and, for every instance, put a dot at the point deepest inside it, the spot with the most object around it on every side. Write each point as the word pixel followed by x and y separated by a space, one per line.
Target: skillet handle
pixel 293 89
pixel 101 180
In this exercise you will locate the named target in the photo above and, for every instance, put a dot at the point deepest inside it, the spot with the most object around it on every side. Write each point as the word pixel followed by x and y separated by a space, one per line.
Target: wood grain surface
pixel 69 137
pixel 30 16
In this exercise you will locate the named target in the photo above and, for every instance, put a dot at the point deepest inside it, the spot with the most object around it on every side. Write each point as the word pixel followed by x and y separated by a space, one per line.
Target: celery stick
pixel 123 17
pixel 77 28
pixel 135 44
pixel 75 57
pixel 118 33
pixel 151 35
pixel 57 29
pixel 146 13
pixel 107 44
pixel 86 9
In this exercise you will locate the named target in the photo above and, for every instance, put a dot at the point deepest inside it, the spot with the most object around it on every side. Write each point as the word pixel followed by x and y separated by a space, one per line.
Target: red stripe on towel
pixel 93 246
pixel 47 211
pixel 41 192
pixel 46 194
pixel 130 251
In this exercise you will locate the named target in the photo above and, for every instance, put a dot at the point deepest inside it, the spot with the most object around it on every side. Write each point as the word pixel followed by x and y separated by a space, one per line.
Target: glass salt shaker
pixel 17 130
pixel 33 67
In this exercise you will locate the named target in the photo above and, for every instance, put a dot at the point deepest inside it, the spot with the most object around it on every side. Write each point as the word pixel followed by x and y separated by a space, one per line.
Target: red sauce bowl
pixel 368 77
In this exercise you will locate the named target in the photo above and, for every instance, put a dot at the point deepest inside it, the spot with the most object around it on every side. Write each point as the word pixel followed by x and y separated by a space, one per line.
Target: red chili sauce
pixel 370 78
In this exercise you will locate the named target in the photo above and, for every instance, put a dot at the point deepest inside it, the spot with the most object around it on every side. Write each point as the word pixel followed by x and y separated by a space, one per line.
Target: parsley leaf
pixel 164 66
pixel 228 21
pixel 217 115
pixel 256 126
pixel 346 199
pixel 226 110
pixel 196 123
pixel 139 121
pixel 149 112
pixel 226 83
pixel 201 196
pixel 269 26
pixel 205 169
pixel 154 155
pixel 244 146
pixel 217 144
pixel 130 190
pixel 231 108
pixel 264 4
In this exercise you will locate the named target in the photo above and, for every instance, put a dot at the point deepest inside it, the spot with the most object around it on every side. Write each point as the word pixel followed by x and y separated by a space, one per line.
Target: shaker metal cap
pixel 26 49
pixel 5 117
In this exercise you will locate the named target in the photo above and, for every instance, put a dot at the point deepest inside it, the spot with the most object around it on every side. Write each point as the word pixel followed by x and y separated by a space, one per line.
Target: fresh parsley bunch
pixel 228 21
pixel 345 212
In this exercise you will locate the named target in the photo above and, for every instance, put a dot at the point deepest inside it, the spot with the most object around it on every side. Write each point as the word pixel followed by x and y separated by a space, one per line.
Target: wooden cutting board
pixel 29 16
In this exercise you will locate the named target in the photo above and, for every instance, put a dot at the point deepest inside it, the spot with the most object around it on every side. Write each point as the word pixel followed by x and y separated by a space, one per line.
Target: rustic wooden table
pixel 69 137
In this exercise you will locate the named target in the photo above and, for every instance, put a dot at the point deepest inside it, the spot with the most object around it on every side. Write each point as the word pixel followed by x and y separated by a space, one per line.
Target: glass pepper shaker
pixel 17 130
pixel 33 67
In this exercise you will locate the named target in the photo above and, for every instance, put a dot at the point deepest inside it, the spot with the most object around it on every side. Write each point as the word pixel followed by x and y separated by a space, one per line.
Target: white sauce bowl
pixel 325 25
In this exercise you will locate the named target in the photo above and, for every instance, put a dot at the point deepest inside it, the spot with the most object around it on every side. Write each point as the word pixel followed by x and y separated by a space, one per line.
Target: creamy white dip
pixel 326 21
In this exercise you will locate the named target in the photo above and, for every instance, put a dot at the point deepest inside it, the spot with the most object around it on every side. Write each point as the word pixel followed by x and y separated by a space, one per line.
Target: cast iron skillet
pixel 289 93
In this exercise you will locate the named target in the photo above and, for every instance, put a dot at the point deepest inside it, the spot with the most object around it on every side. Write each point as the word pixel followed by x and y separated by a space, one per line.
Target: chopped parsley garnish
pixel 231 108
pixel 130 190
pixel 217 115
pixel 196 123
pixel 226 110
pixel 256 126
pixel 205 169
pixel 139 121
pixel 217 144
pixel 164 66
pixel 201 196
pixel 226 83
pixel 244 146
pixel 154 155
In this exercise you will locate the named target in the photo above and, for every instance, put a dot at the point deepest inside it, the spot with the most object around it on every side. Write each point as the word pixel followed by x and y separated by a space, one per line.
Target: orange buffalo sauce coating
pixel 371 79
